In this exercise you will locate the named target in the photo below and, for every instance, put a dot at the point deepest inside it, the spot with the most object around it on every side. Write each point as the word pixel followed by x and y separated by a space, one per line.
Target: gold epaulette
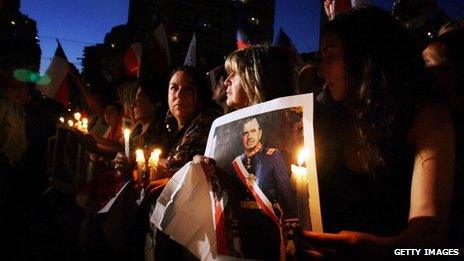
pixel 271 151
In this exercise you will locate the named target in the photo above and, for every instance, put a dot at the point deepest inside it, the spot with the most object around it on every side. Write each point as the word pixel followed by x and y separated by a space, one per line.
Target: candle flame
pixel 154 158
pixel 139 155
pixel 70 123
pixel 156 152
pixel 302 156
pixel 61 119
pixel 77 116
pixel 126 133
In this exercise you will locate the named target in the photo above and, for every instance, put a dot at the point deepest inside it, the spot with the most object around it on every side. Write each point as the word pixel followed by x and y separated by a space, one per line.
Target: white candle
pixel 153 163
pixel 141 165
pixel 300 177
pixel 126 141
pixel 140 159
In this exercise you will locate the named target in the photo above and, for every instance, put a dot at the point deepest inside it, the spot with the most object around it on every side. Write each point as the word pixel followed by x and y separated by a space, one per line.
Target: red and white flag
pixel 132 59
pixel 333 7
pixel 58 73
pixel 161 49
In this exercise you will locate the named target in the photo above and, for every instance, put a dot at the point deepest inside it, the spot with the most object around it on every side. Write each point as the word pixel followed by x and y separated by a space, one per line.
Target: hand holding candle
pixel 300 176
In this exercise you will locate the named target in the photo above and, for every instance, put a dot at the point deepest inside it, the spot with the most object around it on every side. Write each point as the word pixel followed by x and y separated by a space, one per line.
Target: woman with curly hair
pixel 391 183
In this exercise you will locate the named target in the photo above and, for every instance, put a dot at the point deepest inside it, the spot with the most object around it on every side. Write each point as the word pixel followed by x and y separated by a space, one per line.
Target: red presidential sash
pixel 247 179
pixel 219 222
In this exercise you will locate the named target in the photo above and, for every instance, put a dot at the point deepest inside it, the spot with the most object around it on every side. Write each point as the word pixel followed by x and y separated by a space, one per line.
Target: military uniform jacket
pixel 272 177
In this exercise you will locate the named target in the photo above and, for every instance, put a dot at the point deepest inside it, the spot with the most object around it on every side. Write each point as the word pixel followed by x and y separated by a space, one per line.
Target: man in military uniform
pixel 269 199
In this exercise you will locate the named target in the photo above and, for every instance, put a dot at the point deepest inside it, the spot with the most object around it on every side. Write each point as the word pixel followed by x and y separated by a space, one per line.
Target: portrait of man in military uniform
pixel 269 200
pixel 255 191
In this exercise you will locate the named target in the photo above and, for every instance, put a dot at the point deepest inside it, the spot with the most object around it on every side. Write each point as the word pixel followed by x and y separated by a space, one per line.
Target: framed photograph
pixel 256 149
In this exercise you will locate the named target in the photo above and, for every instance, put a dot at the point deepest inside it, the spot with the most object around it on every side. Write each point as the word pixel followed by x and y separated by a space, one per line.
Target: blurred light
pixel 22 75
pixel 254 20
pixel 12 22
pixel 112 45
pixel 34 77
pixel 43 80
pixel 205 25
pixel 175 38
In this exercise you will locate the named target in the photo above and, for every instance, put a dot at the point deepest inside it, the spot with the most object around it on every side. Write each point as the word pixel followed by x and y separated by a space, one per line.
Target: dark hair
pixel 385 78
pixel 454 42
pixel 454 54
pixel 116 105
pixel 199 82
pixel 155 89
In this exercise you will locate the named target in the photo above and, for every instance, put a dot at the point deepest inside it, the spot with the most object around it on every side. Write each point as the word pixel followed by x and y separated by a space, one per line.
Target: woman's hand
pixel 157 185
pixel 122 163
pixel 206 163
pixel 344 243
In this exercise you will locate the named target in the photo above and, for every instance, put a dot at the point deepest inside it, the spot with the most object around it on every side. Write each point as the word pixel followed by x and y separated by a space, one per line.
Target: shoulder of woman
pixel 207 115
pixel 432 119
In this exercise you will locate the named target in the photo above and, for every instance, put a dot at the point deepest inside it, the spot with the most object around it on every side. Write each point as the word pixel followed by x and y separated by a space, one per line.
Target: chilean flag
pixel 132 59
pixel 58 72
pixel 333 7
pixel 242 40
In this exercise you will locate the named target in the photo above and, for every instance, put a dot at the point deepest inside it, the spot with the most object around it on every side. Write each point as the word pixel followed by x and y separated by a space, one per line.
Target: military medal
pixel 250 180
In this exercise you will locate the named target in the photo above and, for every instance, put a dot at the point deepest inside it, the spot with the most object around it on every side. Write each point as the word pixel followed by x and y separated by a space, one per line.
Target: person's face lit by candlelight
pixel 143 108
pixel 113 114
pixel 433 55
pixel 332 67
pixel 236 96
pixel 182 97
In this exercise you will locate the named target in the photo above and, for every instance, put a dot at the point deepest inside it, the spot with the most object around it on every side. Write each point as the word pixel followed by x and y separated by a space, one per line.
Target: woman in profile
pixel 391 185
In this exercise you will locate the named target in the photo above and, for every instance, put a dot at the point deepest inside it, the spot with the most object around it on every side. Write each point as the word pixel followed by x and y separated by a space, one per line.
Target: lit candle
pixel 153 163
pixel 61 119
pixel 77 116
pixel 140 159
pixel 70 123
pixel 300 177
pixel 127 133
pixel 85 125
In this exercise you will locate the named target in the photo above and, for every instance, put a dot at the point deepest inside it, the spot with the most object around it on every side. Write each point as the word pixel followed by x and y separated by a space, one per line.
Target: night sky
pixel 85 22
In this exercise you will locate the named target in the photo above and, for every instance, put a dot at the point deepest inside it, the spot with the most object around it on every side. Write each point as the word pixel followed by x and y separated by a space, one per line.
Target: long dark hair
pixel 385 78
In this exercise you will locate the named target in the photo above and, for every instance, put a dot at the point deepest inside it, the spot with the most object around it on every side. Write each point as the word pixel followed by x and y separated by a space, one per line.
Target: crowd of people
pixel 389 148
